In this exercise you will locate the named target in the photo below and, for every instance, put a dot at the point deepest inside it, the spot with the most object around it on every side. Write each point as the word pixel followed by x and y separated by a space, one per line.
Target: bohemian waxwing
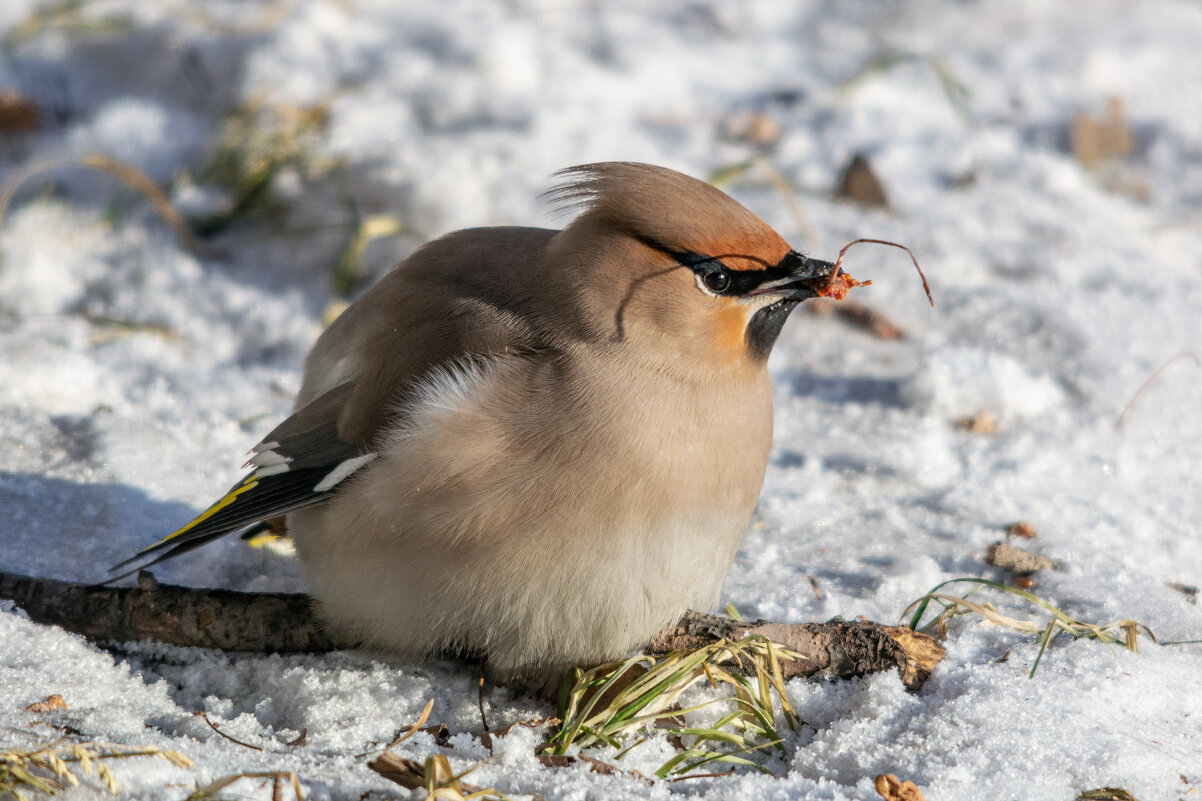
pixel 539 447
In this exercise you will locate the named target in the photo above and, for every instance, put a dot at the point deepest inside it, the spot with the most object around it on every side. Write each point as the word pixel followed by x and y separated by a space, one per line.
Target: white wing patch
pixel 266 461
pixel 344 469
pixel 273 469
pixel 267 458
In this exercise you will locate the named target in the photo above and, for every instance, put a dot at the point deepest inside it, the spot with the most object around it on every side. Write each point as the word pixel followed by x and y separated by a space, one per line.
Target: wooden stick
pixel 224 619
pixel 284 623
pixel 839 648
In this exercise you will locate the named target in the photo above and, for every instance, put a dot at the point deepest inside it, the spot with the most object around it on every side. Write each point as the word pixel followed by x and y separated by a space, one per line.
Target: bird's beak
pixel 802 278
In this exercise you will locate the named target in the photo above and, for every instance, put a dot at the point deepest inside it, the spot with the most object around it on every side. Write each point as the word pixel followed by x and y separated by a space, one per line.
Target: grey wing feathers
pixel 298 464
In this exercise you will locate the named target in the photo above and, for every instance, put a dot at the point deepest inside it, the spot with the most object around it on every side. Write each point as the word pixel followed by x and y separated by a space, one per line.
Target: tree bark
pixel 284 623
pixel 838 648
pixel 225 619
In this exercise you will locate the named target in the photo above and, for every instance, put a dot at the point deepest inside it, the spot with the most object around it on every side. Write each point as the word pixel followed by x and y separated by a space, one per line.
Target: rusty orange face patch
pixel 730 335
pixel 746 250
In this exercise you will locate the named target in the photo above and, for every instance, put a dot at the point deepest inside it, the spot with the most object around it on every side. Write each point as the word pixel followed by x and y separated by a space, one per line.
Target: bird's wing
pixel 298 464
pixel 411 324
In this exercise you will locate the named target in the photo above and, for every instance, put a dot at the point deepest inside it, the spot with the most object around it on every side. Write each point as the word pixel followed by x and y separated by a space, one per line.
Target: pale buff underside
pixel 475 530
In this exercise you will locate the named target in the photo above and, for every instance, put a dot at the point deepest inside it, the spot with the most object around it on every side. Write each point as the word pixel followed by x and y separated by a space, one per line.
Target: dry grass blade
pixel 46 769
pixel 138 180
pixel 108 329
pixel 611 703
pixel 956 92
pixel 69 17
pixel 785 190
pixel 234 740
pixel 1152 379
pixel 727 174
pixel 210 790
pixel 1123 632
pixel 416 727
pixel 260 140
pixel 131 176
pixel 412 730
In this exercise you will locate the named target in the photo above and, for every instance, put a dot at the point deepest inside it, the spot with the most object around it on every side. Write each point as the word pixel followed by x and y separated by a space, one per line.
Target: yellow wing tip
pixel 245 485
pixel 264 539
pixel 279 544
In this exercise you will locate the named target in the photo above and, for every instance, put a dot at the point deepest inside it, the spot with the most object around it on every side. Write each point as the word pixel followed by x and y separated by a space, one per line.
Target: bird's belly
pixel 567 550
pixel 531 605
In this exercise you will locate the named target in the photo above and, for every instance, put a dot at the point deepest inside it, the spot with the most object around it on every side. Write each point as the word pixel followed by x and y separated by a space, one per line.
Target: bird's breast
pixel 591 446
pixel 569 509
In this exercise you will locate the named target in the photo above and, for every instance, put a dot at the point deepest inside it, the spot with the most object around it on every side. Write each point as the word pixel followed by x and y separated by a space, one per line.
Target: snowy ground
pixel 136 373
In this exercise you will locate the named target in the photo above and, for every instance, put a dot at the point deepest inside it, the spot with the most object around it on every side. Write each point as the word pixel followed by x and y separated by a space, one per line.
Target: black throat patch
pixel 765 327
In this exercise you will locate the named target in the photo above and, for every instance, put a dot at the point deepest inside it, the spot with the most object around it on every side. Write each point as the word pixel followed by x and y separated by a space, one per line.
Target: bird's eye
pixel 717 280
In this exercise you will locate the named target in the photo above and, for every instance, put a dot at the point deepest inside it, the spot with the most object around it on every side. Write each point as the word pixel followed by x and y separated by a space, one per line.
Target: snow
pixel 136 373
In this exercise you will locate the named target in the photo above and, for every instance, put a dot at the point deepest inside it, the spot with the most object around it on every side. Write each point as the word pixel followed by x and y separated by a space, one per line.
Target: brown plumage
pixel 538 446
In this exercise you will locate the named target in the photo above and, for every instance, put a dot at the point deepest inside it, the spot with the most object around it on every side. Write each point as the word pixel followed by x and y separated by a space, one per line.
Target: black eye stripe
pixel 741 281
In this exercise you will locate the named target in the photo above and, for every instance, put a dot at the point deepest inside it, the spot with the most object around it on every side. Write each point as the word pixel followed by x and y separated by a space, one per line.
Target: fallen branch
pixel 838 648
pixel 222 619
pixel 284 623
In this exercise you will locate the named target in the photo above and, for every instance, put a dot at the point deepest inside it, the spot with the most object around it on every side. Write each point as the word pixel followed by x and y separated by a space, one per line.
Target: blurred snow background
pixel 137 367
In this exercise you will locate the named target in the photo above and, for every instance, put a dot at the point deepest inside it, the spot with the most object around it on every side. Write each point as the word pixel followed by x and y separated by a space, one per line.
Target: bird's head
pixel 674 267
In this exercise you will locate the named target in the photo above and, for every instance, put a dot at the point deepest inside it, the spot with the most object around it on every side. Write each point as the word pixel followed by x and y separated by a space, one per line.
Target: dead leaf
pixel 1106 794
pixel 1020 529
pixel 409 773
pixel 922 654
pixel 1096 140
pixel 983 422
pixel 53 703
pixel 1188 590
pixel 890 788
pixel 753 128
pixel 18 114
pixel 440 733
pixel 859 184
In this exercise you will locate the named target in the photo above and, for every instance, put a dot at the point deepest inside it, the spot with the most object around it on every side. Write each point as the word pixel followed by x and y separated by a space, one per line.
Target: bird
pixel 531 446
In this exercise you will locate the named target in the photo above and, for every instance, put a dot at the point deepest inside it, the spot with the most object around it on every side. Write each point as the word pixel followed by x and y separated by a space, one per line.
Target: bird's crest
pixel 669 210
